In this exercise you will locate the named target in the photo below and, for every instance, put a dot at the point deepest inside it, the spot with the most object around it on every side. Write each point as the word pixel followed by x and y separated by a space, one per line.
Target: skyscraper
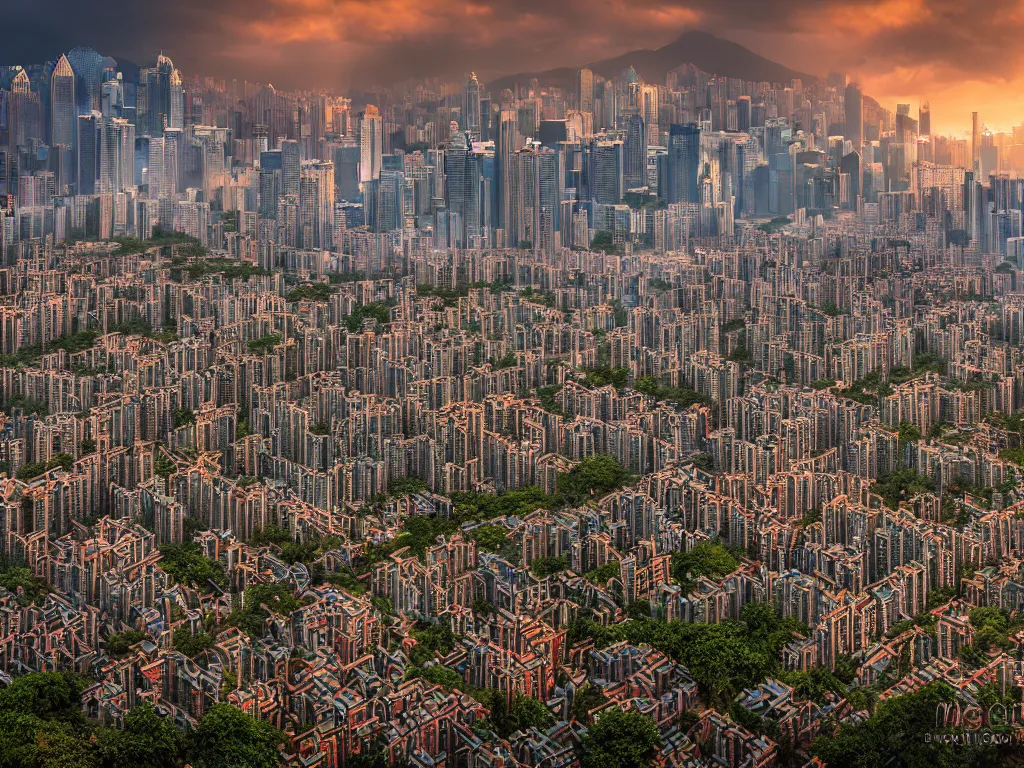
pixel 975 142
pixel 463 189
pixel 635 153
pixel 683 164
pixel 854 116
pixel 924 121
pixel 371 144
pixel 743 114
pixel 585 90
pixel 471 106
pixel 535 192
pixel 88 157
pixel 173 147
pixel 62 104
pixel 289 167
pixel 117 155
pixel 23 112
pixel 88 68
pixel 157 96
pixel 176 102
pixel 649 109
pixel 316 205
pixel 606 172
pixel 506 143
pixel 270 183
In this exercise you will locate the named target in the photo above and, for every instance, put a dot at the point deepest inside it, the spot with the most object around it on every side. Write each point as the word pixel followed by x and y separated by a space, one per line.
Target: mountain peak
pixel 703 50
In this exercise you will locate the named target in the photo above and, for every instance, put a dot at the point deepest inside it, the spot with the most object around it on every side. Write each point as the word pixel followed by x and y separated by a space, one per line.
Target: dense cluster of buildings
pixel 793 316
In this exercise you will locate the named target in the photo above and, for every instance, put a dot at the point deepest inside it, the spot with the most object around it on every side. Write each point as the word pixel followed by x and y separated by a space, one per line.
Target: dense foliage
pixel 723 658
pixel 42 725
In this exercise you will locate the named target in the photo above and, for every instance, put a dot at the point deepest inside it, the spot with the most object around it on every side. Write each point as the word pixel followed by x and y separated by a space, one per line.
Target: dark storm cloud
pixel 340 42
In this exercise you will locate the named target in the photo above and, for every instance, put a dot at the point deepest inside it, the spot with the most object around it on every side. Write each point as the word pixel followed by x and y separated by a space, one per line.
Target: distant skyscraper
pixel 88 67
pixel 346 170
pixel 63 110
pixel 743 114
pixel 173 147
pixel 606 172
pixel 924 121
pixel 683 165
pixel 112 98
pixel 389 210
pixel 117 155
pixel 585 90
pixel 88 157
pixel 158 95
pixel 270 183
pixel 290 162
pixel 506 143
pixel 23 112
pixel 854 116
pixel 463 198
pixel 975 142
pixel 371 144
pixel 535 189
pixel 316 205
pixel 471 106
pixel 176 105
pixel 635 150
pixel 648 106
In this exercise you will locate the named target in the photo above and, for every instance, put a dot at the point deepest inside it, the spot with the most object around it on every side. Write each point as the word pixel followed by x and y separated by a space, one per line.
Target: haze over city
pixel 962 57
pixel 511 384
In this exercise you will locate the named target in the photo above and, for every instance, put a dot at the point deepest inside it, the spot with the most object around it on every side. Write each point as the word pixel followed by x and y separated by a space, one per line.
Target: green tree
pixel 431 641
pixel 42 725
pixel 146 739
pixel 706 560
pixel 549 566
pixel 908 432
pixel 490 537
pixel 30 471
pixel 602 574
pixel 622 739
pixel 526 712
pixel 895 736
pixel 264 344
pixel 61 461
pixel 183 416
pixel 226 737
pixel 603 241
pixel 588 697
pixel 186 564
pixel 190 644
pixel 258 601
pixel 593 477
pixel 435 674
pixel 120 644
pixel 901 485
pixel 163 465
pixel 15 578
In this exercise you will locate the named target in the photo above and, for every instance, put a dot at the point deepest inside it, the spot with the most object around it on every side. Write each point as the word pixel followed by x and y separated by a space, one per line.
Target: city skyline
pixel 661 410
pixel 960 57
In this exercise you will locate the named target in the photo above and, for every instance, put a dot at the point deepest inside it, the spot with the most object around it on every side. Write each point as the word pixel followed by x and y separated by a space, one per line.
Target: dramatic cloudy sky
pixel 959 54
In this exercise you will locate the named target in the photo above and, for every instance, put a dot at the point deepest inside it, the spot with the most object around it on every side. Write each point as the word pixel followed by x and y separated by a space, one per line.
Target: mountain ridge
pixel 706 52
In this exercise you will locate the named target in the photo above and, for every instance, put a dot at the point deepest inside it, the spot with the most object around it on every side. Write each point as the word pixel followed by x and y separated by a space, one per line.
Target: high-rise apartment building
pixel 854 103
pixel 371 144
pixel 63 110
pixel 585 90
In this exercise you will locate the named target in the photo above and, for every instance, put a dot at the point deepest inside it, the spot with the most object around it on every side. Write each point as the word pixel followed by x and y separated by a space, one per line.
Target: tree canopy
pixel 622 739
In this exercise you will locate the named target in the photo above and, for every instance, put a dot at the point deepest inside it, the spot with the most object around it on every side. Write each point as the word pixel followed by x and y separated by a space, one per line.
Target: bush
pixel 191 644
pixel 622 739
pixel 120 644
